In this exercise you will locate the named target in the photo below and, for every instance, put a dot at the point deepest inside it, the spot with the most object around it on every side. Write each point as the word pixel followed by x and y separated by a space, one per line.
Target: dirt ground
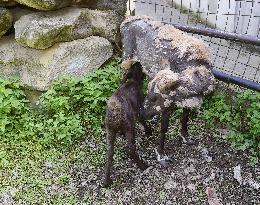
pixel 210 173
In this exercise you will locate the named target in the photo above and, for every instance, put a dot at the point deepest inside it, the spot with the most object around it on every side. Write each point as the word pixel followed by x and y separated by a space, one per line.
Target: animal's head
pixel 185 89
pixel 158 97
pixel 134 73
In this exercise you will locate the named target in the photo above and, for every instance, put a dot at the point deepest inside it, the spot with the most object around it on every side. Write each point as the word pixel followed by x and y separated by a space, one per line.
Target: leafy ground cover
pixel 55 154
pixel 32 140
pixel 240 114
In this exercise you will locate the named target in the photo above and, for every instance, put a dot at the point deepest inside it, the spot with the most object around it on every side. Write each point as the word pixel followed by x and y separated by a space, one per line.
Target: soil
pixel 208 173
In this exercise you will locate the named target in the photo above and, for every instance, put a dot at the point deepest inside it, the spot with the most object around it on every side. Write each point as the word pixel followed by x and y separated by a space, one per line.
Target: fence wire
pixel 234 16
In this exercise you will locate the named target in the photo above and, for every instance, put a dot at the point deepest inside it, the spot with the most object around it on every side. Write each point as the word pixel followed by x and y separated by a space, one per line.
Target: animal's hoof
pixel 155 120
pixel 143 167
pixel 189 141
pixel 192 142
pixel 165 161
pixel 107 183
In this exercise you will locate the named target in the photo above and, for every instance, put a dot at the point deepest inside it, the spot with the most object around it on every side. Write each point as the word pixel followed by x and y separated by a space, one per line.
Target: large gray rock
pixel 38 68
pixel 7 3
pixel 6 20
pixel 45 5
pixel 43 29
pixel 120 6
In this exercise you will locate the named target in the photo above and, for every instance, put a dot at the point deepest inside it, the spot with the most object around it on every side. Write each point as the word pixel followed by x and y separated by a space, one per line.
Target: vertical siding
pixel 228 15
pixel 247 22
pixel 130 6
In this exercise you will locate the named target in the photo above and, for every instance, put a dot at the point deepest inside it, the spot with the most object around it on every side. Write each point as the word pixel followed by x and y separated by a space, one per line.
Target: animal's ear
pixel 167 80
pixel 127 76
pixel 127 64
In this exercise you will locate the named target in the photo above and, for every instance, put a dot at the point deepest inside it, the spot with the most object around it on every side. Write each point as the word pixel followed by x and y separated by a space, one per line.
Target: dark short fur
pixel 165 119
pixel 159 47
pixel 124 108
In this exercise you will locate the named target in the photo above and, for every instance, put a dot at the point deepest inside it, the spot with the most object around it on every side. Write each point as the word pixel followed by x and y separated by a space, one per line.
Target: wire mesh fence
pixel 242 17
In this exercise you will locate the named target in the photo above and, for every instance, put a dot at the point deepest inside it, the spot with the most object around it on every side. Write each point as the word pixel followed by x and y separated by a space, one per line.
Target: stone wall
pixel 42 40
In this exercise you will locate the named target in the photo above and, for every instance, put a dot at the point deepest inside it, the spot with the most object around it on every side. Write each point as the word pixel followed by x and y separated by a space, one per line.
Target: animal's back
pixel 113 113
pixel 156 42
pixel 123 106
pixel 185 44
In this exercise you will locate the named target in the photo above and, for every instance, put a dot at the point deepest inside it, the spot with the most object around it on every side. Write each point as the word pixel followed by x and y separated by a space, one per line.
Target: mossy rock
pixel 45 5
pixel 7 3
pixel 6 20
pixel 120 6
pixel 37 69
pixel 41 30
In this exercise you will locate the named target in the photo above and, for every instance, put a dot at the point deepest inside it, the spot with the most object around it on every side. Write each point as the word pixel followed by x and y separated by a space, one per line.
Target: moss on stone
pixel 6 20
pixel 34 97
pixel 45 5
pixel 46 40
pixel 15 62
pixel 43 29
pixel 7 3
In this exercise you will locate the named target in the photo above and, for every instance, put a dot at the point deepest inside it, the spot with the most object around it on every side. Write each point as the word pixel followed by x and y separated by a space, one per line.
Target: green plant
pixel 13 105
pixel 85 99
pixel 217 110
pixel 239 113
pixel 245 123
pixel 71 110
pixel 63 180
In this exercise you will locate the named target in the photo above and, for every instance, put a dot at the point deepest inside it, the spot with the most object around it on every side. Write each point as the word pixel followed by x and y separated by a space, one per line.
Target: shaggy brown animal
pixel 178 66
pixel 124 108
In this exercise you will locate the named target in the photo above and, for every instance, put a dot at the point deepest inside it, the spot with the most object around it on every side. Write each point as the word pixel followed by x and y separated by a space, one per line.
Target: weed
pixel 37 147
pixel 240 114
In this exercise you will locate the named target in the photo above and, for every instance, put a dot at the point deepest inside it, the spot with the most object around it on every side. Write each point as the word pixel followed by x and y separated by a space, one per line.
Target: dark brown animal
pixel 178 67
pixel 124 108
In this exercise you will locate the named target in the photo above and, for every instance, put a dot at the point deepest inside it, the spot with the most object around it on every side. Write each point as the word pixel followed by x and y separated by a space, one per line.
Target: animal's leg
pixel 164 128
pixel 132 149
pixel 110 153
pixel 184 127
pixel 163 159
pixel 147 127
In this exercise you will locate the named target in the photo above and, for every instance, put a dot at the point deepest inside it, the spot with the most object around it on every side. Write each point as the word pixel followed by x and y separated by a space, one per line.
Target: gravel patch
pixel 210 173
